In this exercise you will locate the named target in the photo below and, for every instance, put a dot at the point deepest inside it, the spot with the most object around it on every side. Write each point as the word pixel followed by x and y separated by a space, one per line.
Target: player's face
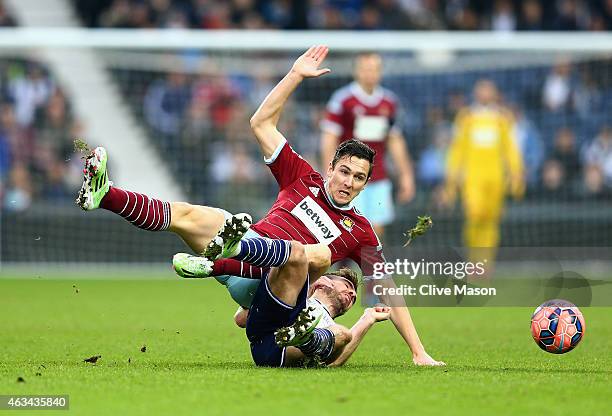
pixel 347 179
pixel 345 291
pixel 368 71
pixel 338 290
pixel 485 92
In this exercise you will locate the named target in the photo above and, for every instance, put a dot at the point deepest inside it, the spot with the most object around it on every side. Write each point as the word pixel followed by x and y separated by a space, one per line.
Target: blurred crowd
pixel 561 125
pixel 36 131
pixel 498 15
pixel 203 119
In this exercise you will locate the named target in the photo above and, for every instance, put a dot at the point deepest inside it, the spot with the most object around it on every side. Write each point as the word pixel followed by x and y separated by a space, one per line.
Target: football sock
pixel 234 267
pixel 321 343
pixel 143 212
pixel 264 252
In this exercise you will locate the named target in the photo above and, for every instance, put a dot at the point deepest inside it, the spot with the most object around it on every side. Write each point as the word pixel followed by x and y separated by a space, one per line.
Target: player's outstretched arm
pixel 369 258
pixel 403 163
pixel 359 330
pixel 400 316
pixel 265 120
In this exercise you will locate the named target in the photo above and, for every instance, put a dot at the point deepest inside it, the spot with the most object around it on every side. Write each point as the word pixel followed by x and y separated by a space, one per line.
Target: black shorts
pixel 267 314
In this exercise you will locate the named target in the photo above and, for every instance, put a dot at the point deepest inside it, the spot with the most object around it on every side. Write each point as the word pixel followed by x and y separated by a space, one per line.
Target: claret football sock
pixel 233 267
pixel 139 209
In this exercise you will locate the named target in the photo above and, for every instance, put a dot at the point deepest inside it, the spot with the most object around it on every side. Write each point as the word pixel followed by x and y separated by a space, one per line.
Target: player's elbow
pixel 343 337
pixel 262 128
pixel 255 121
pixel 259 122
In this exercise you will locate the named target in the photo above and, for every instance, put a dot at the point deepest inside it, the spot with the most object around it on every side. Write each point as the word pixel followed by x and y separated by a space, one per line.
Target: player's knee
pixel 321 259
pixel 240 317
pixel 298 254
pixel 180 211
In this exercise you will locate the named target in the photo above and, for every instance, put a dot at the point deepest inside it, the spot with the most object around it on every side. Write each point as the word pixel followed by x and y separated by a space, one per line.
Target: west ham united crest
pixel 347 223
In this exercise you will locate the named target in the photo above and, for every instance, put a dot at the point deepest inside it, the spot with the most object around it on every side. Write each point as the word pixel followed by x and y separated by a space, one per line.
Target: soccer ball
pixel 557 326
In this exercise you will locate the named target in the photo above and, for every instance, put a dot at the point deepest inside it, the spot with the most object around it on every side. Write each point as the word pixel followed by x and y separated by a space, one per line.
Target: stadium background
pixel 175 119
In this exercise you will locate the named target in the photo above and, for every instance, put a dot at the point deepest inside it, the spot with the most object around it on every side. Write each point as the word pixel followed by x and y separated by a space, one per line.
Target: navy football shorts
pixel 267 314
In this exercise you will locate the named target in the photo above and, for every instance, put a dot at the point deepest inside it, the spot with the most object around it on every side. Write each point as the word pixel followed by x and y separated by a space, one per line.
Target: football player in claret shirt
pixel 366 111
pixel 310 209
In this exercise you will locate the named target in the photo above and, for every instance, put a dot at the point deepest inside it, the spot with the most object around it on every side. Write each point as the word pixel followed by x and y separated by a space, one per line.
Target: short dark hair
pixel 355 148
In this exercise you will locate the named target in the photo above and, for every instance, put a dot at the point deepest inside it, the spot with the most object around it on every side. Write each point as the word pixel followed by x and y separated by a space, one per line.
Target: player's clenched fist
pixel 378 313
pixel 308 64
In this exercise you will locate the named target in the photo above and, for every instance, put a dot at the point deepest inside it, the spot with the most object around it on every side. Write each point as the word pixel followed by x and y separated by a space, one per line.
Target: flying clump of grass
pixel 423 224
pixel 81 146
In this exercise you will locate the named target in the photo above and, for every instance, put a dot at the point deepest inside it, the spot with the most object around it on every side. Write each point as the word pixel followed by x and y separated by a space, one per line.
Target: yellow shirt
pixel 483 148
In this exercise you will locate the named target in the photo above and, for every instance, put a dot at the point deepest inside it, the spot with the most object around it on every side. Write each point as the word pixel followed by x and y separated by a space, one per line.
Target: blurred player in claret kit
pixel 309 209
pixel 366 111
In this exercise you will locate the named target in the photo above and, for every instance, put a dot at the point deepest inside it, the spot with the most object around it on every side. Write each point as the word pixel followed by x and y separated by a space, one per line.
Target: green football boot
pixel 299 332
pixel 191 267
pixel 226 241
pixel 222 246
pixel 95 180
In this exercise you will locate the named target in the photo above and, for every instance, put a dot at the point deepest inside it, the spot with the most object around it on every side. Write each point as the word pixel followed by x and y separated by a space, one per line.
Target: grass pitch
pixel 197 362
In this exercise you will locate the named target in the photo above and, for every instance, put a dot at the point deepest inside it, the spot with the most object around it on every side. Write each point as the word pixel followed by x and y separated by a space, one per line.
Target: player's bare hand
pixel 378 313
pixel 425 359
pixel 308 64
pixel 406 189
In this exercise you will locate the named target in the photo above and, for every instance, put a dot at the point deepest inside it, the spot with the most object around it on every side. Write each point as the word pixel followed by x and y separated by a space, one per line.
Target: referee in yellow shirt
pixel 484 162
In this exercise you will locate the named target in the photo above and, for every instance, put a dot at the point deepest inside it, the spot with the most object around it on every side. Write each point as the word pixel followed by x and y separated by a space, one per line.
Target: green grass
pixel 197 362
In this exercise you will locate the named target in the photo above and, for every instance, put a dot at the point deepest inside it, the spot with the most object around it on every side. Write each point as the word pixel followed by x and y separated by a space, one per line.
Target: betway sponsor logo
pixel 316 220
